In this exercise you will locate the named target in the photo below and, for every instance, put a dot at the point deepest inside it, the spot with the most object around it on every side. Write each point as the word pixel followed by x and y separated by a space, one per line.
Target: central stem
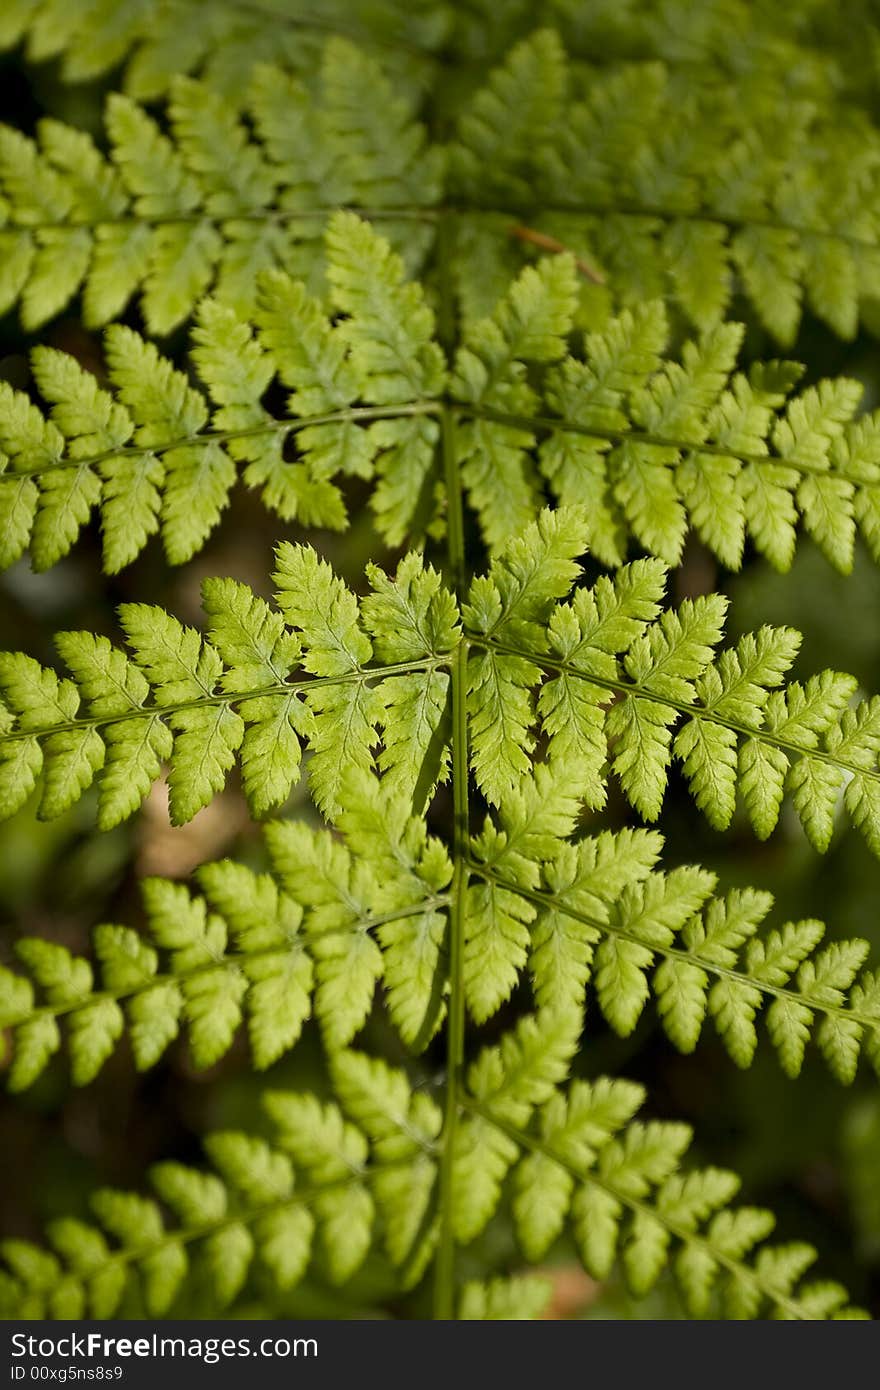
pixel 444 1287
pixel 444 1269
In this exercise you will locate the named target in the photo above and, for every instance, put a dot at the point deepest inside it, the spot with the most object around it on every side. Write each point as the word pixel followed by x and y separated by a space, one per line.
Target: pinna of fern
pixel 672 186
pixel 572 1156
pixel 160 39
pixel 605 672
pixel 342 916
pixel 654 444
pixel 208 205
pixel 157 447
pixel 721 38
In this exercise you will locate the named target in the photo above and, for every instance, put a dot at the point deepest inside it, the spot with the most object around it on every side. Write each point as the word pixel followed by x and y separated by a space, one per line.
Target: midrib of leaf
pixel 246 1216
pixel 210 701
pixel 444 1268
pixel 740 977
pixel 630 208
pixel 740 1269
pixel 365 413
pixel 236 960
pixel 622 687
pixel 551 424
pixel 435 212
pixel 349 415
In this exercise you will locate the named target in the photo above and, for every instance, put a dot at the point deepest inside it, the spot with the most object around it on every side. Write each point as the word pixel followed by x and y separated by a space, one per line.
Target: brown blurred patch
pixel 573 1291
pixel 175 851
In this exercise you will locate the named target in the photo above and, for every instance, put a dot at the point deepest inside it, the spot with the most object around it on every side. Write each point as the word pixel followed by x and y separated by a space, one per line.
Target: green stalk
pixel 444 1287
pixel 444 1283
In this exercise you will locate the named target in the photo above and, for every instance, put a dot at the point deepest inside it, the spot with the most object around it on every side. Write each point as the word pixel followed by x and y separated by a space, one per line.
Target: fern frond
pixel 718 41
pixel 709 44
pixel 159 39
pixel 672 187
pixel 607 675
pixel 314 1194
pixel 597 913
pixel 576 1153
pixel 375 908
pixel 197 703
pixel 212 203
pixel 652 445
pixel 192 970
pixel 312 1197
pixel 531 324
pixel 676 160
pixel 157 451
pixel 338 917
pixel 769 195
pixel 518 1299
pixel 342 915
pixel 728 717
